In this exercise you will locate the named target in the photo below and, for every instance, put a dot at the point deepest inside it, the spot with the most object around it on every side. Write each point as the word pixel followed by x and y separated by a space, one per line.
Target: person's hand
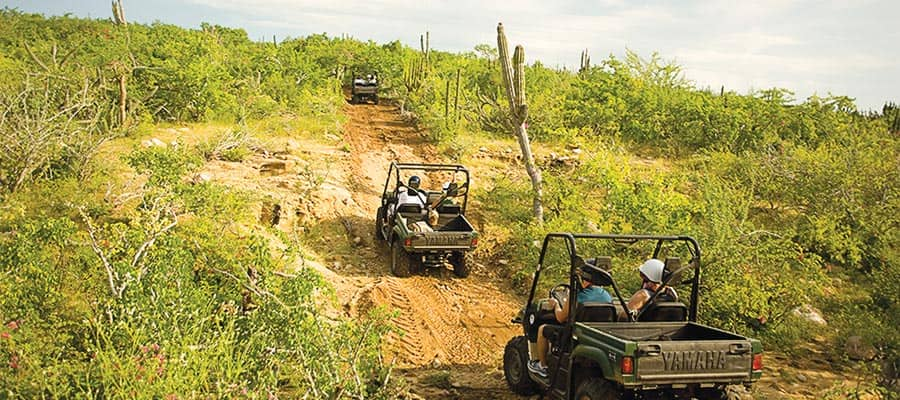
pixel 552 303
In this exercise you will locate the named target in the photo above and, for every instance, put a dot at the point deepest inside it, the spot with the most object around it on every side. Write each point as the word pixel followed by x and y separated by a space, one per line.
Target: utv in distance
pixel 364 89
pixel 657 352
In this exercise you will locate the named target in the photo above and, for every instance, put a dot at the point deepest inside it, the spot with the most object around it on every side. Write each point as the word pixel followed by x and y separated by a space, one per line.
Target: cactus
pixel 456 99
pixel 514 82
pixel 447 102
pixel 891 114
pixel 585 61
pixel 414 74
pixel 118 13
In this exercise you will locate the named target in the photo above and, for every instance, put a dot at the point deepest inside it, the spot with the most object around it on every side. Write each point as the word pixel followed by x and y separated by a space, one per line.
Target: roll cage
pixel 576 261
pixel 394 173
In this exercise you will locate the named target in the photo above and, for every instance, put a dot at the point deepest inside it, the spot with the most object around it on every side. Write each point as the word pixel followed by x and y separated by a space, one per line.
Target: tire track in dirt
pixel 444 323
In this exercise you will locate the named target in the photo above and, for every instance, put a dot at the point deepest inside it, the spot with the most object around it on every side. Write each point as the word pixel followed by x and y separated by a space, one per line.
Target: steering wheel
pixel 560 293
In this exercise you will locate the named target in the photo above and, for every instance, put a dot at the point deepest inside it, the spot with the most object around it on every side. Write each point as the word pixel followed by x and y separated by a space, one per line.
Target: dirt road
pixel 453 330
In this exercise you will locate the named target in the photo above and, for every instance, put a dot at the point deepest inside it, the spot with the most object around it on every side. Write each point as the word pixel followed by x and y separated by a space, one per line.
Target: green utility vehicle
pixel 422 217
pixel 606 351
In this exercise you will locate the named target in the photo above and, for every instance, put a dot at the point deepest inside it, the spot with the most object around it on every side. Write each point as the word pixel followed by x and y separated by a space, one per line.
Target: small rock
pixel 455 384
pixel 357 240
pixel 858 350
pixel 483 149
pixel 576 151
pixel 508 150
pixel 436 363
pixel 202 177
pixel 273 167
pixel 337 265
pixel 503 262
pixel 801 378
pixel 810 314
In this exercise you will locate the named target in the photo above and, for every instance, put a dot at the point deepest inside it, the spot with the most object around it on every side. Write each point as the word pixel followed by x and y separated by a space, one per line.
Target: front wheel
pixel 596 388
pixel 515 367
pixel 400 260
pixel 460 264
pixel 379 222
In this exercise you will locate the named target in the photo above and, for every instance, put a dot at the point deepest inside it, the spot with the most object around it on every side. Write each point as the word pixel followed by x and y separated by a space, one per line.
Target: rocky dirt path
pixel 451 330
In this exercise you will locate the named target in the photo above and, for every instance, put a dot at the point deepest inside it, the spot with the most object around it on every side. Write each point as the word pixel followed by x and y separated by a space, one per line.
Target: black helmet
pixel 414 182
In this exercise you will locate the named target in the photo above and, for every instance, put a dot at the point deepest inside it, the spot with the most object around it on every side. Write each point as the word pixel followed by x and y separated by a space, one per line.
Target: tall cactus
pixel 891 114
pixel 514 82
pixel 414 74
pixel 118 13
pixel 585 61
pixel 456 99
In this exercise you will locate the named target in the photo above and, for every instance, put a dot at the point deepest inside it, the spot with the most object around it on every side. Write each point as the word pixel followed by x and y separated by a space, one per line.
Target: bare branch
pixel 111 274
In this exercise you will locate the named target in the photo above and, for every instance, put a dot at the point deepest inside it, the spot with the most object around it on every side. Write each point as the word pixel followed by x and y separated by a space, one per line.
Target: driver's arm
pixel 561 311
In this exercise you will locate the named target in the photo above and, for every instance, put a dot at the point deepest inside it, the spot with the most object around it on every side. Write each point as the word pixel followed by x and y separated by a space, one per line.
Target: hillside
pixel 188 213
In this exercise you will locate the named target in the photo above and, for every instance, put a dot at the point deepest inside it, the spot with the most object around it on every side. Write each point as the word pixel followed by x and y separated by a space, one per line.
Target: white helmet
pixel 653 270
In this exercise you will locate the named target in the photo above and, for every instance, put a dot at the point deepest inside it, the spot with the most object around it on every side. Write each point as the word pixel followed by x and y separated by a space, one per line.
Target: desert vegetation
pixel 120 276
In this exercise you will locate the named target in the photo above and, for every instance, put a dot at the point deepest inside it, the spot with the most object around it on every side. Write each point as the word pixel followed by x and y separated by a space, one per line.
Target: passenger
pixel 652 275
pixel 587 292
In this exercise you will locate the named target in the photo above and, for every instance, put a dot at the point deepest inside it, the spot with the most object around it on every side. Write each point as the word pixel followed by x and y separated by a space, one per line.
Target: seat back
pixel 595 312
pixel 454 209
pixel 411 212
pixel 665 311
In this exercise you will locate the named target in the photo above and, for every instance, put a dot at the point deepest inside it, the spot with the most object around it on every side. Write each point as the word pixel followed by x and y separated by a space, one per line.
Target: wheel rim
pixel 513 364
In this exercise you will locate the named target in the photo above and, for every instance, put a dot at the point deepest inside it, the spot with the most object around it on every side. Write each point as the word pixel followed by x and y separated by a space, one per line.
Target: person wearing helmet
pixel 587 293
pixel 409 193
pixel 414 182
pixel 652 276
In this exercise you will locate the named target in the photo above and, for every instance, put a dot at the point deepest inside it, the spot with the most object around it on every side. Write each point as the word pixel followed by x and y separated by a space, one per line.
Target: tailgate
pixel 688 362
pixel 442 240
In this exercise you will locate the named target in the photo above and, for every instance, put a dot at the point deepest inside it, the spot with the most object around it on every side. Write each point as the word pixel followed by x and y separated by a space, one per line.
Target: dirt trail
pixel 453 330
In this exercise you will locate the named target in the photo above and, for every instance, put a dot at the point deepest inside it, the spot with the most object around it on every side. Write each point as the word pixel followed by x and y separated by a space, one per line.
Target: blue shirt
pixel 593 294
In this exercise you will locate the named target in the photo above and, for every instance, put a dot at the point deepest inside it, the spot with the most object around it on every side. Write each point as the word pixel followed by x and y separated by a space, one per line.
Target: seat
pixel 595 312
pixel 411 212
pixel 665 311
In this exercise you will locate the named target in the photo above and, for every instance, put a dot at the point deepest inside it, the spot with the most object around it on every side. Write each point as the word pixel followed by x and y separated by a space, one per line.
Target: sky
pixel 840 47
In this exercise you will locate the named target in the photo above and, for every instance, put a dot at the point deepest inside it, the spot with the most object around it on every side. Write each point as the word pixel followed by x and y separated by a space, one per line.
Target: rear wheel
pixel 596 388
pixel 460 264
pixel 400 260
pixel 515 366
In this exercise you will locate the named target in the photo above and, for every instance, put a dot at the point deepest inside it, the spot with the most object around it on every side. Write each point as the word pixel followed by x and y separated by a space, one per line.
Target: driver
pixel 411 193
pixel 652 275
pixel 587 292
